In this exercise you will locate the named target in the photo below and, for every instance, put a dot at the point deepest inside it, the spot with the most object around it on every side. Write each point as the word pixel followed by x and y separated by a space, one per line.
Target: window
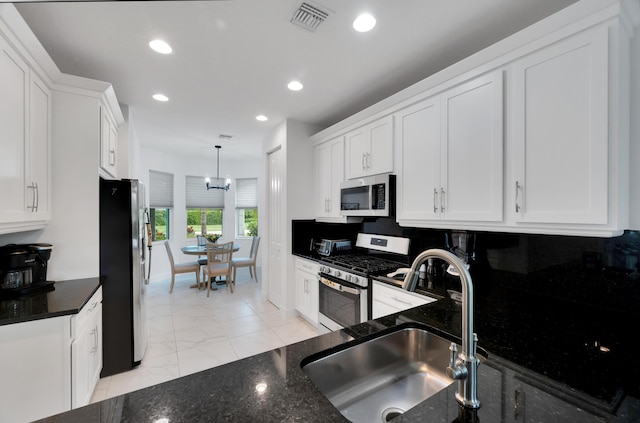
pixel 160 202
pixel 247 207
pixel 204 208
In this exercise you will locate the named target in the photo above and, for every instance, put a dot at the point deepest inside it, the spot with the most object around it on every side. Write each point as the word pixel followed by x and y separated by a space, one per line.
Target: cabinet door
pixel 80 354
pixel 13 92
pixel 108 143
pixel 323 179
pixel 302 293
pixel 560 132
pixel 357 150
pixel 329 175
pixel 337 176
pixel 95 350
pixel 35 362
pixel 380 155
pixel 532 405
pixel 39 149
pixel 370 149
pixel 418 160
pixel 471 153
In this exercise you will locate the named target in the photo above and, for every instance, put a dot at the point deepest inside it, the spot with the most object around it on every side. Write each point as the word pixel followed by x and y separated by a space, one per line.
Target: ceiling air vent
pixel 308 16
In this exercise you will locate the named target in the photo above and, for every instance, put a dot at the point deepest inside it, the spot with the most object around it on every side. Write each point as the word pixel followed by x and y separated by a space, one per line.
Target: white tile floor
pixel 189 332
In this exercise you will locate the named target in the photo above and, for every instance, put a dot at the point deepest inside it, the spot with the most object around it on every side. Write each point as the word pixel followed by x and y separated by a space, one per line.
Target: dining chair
pixel 219 258
pixel 189 267
pixel 249 262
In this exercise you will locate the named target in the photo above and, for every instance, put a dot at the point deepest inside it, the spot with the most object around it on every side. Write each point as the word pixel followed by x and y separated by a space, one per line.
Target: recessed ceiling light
pixel 262 118
pixel 160 97
pixel 295 86
pixel 160 46
pixel 364 23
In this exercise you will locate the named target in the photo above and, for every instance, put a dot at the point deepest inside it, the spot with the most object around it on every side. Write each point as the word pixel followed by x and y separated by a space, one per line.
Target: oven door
pixel 341 304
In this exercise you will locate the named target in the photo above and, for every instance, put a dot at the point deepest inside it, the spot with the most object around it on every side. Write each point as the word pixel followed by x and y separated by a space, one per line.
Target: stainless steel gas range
pixel 345 277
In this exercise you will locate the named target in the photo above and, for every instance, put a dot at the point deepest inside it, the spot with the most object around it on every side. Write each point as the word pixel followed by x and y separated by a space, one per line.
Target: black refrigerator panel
pixel 121 266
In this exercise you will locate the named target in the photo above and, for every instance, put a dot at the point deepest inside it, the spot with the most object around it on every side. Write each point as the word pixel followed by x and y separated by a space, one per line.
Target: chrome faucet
pixel 463 366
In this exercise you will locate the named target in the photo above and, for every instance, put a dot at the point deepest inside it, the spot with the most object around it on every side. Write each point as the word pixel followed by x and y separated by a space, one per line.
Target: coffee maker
pixel 23 268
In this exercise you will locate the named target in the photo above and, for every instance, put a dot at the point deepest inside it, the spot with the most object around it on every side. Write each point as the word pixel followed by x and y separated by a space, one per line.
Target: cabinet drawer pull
pixel 363 164
pixel 112 157
pixel 441 200
pixel 518 187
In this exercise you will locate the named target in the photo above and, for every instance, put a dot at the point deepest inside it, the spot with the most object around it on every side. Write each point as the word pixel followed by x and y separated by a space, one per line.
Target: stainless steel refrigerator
pixel 123 260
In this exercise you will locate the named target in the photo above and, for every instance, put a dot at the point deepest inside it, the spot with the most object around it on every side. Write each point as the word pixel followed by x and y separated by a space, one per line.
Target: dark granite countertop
pixel 228 393
pixel 66 297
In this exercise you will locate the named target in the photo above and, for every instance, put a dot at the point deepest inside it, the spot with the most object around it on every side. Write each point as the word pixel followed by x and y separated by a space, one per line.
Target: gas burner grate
pixel 364 264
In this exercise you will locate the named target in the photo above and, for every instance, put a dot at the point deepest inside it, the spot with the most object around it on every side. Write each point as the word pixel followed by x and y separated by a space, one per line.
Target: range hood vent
pixel 308 16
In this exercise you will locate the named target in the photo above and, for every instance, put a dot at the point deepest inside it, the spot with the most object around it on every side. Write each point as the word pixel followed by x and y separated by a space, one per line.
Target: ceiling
pixel 232 59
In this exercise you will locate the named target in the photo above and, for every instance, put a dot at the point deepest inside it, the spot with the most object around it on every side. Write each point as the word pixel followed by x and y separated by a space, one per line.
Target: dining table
pixel 201 250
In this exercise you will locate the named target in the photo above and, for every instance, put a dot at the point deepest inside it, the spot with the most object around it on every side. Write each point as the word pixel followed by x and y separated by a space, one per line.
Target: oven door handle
pixel 339 287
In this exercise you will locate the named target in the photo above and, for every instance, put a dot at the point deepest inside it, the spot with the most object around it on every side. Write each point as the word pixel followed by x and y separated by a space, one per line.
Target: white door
pixel 274 207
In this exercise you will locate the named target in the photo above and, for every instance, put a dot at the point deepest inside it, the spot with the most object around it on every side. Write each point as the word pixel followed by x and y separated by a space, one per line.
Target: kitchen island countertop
pixel 229 392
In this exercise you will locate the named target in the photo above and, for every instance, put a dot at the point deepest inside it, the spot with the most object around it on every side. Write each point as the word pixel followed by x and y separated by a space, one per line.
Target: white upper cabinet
pixel 329 158
pixel 108 143
pixel 418 155
pixel 560 132
pixel 25 131
pixel 449 151
pixel 369 149
pixel 13 133
pixel 39 153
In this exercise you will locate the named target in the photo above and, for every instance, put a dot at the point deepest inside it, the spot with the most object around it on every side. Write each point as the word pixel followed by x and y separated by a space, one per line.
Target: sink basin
pixel 378 379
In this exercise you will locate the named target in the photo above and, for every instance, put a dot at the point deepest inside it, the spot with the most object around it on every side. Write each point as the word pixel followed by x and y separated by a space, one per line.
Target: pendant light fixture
pixel 227 183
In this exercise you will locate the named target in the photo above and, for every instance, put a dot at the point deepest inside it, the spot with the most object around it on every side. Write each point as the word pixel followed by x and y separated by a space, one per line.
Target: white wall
pixel 180 167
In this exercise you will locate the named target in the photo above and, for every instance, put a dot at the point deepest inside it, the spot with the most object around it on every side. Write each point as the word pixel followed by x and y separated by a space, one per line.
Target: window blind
pixel 199 198
pixel 247 193
pixel 160 190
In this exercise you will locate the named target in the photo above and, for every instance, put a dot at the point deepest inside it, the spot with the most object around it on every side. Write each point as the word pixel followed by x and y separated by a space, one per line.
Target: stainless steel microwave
pixel 368 196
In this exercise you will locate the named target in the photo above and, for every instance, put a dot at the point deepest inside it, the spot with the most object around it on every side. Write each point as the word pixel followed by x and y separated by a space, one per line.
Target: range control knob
pixel 338 273
pixel 355 280
pixel 348 278
pixel 327 270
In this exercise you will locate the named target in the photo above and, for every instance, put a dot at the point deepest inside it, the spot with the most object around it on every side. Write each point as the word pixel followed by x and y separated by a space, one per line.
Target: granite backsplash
pixel 586 285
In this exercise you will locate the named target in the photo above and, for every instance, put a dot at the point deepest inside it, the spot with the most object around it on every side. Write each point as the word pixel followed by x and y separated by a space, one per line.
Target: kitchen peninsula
pixel 271 386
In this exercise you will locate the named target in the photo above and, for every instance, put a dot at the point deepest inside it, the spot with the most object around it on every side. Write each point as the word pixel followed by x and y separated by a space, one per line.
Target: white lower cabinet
pixel 35 360
pixel 307 289
pixel 56 361
pixel 388 299
pixel 86 350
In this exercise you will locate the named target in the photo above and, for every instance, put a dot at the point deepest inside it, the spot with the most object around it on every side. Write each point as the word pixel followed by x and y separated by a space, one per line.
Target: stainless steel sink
pixel 380 378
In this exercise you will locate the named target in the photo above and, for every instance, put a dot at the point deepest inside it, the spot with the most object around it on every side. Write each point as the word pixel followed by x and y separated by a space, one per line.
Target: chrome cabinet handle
pixel 328 204
pixel 516 404
pixel 368 161
pixel 112 157
pixel 363 158
pixel 441 200
pixel 518 187
pixel 37 195
pixel 435 200
pixel 32 187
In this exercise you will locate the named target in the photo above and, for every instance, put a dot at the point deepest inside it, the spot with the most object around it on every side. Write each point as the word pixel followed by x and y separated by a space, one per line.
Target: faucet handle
pixel 455 370
pixel 454 354
pixel 474 346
